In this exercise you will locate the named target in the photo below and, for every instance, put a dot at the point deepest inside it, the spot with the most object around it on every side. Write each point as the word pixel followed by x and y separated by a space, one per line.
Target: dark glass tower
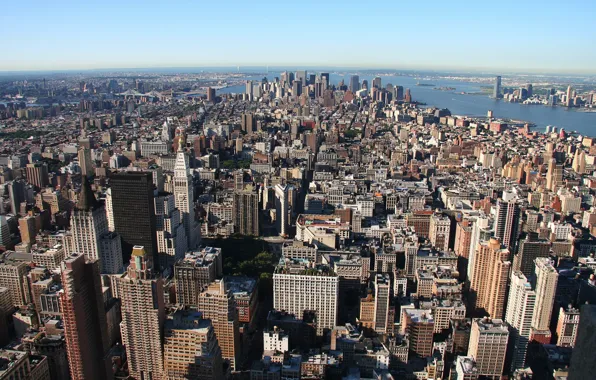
pixel 134 211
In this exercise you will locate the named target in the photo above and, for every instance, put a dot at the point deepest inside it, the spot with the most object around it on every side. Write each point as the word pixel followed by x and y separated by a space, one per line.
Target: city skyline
pixel 471 36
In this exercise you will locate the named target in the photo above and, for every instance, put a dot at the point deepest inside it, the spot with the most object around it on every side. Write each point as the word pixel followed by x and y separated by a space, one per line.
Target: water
pixel 475 105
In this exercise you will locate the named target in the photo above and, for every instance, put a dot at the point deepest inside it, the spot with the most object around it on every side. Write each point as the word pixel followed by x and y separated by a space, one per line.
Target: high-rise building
pixel 583 365
pixel 184 195
pixel 488 284
pixel 37 175
pixel 13 276
pixel 569 96
pixel 488 346
pixel 554 175
pixel 376 83
pixel 143 316
pixel 85 162
pixel 482 231
pixel 134 211
pixel 546 286
pixel 16 192
pixel 507 223
pixel 109 210
pixel 530 249
pixel 354 83
pixel 191 349
pixel 297 288
pixel 217 304
pixel 567 326
pixel 497 88
pixel 5 238
pixel 28 229
pixel 89 230
pixel 210 94
pixel 382 305
pixel 420 326
pixel 325 79
pixel 194 271
pixel 301 77
pixel 171 236
pixel 520 309
pixel 249 88
pixel 246 212
pixel 84 318
pixel 248 123
pixel 440 227
pixel 282 211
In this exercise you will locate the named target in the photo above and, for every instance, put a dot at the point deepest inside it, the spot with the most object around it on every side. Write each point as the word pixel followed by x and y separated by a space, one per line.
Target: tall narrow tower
pixel 183 194
pixel 143 316
pixel 85 326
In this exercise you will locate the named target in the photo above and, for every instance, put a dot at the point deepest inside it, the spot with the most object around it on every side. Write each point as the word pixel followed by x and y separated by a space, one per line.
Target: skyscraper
pixel 134 211
pixel 382 297
pixel 171 236
pixel 246 212
pixel 297 287
pixel 546 287
pixel 569 96
pixel 497 89
pixel 488 346
pixel 37 175
pixel 194 271
pixel 554 175
pixel 440 227
pixel 530 249
pixel 520 309
pixel 377 83
pixel 217 304
pixel 281 209
pixel 184 195
pixel 325 79
pixel 191 350
pixel 583 365
pixel 84 317
pixel 301 77
pixel 90 227
pixel 488 283
pixel 248 122
pixel 85 162
pixel 143 316
pixel 354 83
pixel 507 222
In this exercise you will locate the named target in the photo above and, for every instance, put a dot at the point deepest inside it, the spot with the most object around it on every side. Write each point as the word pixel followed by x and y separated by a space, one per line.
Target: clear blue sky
pixel 523 35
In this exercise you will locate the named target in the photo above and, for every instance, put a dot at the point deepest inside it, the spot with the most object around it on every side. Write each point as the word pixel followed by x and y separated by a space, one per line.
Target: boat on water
pixel 425 84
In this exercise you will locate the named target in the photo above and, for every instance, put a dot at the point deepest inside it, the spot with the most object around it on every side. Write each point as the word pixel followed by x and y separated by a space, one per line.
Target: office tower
pixel 296 89
pixel 382 297
pixel 110 248
pixel 13 276
pixel 529 90
pixel 488 284
pixel 134 211
pixel 546 286
pixel 530 249
pixel 481 232
pixel 191 349
pixel 143 316
pixel 184 195
pixel 497 89
pixel 567 325
pixel 569 96
pixel 239 145
pixel 325 79
pixel 440 226
pixel 28 229
pixel 520 309
pixel 194 271
pixel 85 162
pixel 419 325
pixel 171 236
pixel 109 210
pixel 246 212
pixel 16 192
pixel 301 77
pixel 248 123
pixel 37 175
pixel 507 223
pixel 554 175
pixel 398 93
pixel 249 89
pixel 5 238
pixel 88 223
pixel 583 365
pixel 84 318
pixel 217 304
pixel 408 96
pixel 282 209
pixel 298 288
pixel 210 94
pixel 488 346
pixel 376 83
pixel 354 83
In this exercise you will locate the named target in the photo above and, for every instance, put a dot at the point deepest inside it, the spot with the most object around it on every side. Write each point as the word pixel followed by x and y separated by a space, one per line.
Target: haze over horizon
pixel 69 35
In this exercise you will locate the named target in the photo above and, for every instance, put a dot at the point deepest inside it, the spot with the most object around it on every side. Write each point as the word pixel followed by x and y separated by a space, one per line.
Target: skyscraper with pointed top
pixel 183 194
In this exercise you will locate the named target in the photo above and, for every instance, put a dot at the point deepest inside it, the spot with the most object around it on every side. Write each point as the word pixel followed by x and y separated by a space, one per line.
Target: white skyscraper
pixel 520 310
pixel 481 231
pixel 109 210
pixel 546 286
pixel 281 209
pixel 171 236
pixel 184 196
pixel 297 287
